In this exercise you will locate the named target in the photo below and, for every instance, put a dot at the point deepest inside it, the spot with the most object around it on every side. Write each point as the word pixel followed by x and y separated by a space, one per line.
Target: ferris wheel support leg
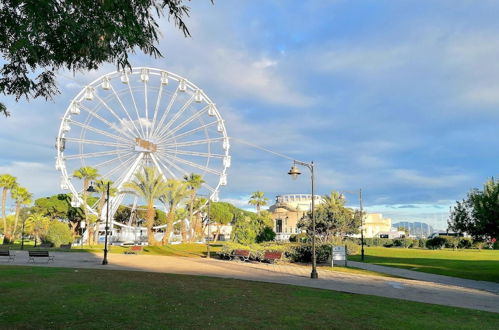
pixel 116 200
pixel 155 161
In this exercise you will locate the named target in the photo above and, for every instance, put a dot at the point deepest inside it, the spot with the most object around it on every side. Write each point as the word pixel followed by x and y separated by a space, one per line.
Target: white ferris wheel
pixel 125 121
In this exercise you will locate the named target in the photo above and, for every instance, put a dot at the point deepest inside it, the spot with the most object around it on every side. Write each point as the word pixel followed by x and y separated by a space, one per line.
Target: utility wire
pixel 262 148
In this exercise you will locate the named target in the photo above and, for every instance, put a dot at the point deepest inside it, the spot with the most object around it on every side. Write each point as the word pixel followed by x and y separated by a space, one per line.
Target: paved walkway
pixel 465 283
pixel 421 291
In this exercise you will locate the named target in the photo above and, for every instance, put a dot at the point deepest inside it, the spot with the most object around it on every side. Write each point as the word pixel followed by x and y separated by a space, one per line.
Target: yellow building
pixel 374 223
pixel 289 209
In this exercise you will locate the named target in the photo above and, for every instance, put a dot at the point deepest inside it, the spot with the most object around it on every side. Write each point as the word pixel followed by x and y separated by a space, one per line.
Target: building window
pixel 278 226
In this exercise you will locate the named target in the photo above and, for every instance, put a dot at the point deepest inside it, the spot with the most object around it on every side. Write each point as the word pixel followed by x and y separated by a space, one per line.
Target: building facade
pixel 289 209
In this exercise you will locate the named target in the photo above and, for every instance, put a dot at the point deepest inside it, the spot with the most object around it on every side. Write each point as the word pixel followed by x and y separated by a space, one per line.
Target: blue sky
pixel 398 98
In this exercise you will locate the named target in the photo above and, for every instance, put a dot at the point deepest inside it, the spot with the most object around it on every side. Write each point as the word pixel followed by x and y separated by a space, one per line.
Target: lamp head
pixel 91 189
pixel 294 172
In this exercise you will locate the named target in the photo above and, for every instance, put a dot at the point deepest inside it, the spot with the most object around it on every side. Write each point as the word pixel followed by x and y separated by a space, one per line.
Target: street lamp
pixel 294 172
pixel 91 189
pixel 361 221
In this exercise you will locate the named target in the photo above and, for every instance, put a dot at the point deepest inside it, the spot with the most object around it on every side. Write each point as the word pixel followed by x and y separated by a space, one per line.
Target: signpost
pixel 339 255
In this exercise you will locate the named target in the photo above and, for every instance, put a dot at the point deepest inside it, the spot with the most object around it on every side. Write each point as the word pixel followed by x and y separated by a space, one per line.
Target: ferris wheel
pixel 125 121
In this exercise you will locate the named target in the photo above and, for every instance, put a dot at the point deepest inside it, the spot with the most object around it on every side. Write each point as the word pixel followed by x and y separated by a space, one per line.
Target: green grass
pixel 480 265
pixel 43 298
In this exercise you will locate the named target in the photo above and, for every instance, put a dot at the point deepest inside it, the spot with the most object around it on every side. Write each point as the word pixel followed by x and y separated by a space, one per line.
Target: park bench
pixel 7 253
pixel 134 249
pixel 65 246
pixel 272 256
pixel 240 254
pixel 39 254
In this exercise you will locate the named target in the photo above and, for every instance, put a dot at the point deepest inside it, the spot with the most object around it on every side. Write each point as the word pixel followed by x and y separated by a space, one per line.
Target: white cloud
pixel 413 177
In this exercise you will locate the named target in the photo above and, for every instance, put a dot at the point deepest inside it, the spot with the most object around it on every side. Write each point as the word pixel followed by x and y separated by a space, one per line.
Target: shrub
pixel 58 233
pixel 376 241
pixel 422 243
pixel 256 250
pixel 403 242
pixel 464 243
pixel 435 243
pixel 451 242
pixel 267 234
pixel 300 238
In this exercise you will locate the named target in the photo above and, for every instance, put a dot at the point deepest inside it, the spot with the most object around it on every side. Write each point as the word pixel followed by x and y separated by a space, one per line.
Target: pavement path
pixel 449 280
pixel 408 289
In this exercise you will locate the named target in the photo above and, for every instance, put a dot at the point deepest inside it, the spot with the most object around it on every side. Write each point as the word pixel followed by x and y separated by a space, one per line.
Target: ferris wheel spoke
pixel 156 163
pixel 95 154
pixel 105 121
pixel 172 164
pixel 136 110
pixel 167 111
pixel 125 110
pixel 193 143
pixel 113 160
pixel 96 130
pixel 195 165
pixel 115 116
pixel 192 153
pixel 100 143
pixel 179 113
pixel 194 130
pixel 155 115
pixel 187 122
pixel 120 167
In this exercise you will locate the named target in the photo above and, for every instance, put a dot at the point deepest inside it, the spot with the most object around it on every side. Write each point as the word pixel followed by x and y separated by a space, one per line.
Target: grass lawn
pixel 42 298
pixel 472 264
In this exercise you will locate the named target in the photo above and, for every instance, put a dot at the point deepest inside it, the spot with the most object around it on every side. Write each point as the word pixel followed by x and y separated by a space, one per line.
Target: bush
pixel 422 243
pixel 300 238
pixel 451 242
pixel 403 242
pixel 376 241
pixel 256 250
pixel 465 243
pixel 266 235
pixel 436 243
pixel 58 233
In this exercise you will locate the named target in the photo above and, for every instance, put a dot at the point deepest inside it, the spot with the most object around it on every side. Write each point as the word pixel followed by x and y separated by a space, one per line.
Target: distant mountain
pixel 416 228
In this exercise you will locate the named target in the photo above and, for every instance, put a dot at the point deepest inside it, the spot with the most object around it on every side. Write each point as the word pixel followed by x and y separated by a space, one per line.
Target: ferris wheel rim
pixel 66 119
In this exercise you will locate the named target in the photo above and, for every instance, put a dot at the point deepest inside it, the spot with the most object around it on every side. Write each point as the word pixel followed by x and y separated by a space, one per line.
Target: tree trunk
pixel 191 206
pixel 18 208
pixel 5 229
pixel 169 227
pixel 219 229
pixel 85 187
pixel 149 224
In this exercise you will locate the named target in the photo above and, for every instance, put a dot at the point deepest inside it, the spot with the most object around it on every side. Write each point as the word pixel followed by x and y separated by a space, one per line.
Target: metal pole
pixel 361 225
pixel 209 230
pixel 104 262
pixel 22 236
pixel 314 259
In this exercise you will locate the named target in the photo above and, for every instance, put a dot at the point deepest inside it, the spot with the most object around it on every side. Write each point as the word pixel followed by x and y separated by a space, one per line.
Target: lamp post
pixel 294 172
pixel 361 220
pixel 91 190
pixel 22 235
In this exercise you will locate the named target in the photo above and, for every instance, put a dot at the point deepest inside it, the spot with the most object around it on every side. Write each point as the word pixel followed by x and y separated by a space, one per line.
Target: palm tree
pixel 258 199
pixel 37 224
pixel 176 191
pixel 87 174
pixel 101 187
pixel 7 182
pixel 193 182
pixel 150 185
pixel 22 197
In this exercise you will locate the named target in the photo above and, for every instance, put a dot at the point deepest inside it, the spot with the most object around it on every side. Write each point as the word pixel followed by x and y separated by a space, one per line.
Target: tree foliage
pixel 478 214
pixel 39 37
pixel 258 199
pixel 332 218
